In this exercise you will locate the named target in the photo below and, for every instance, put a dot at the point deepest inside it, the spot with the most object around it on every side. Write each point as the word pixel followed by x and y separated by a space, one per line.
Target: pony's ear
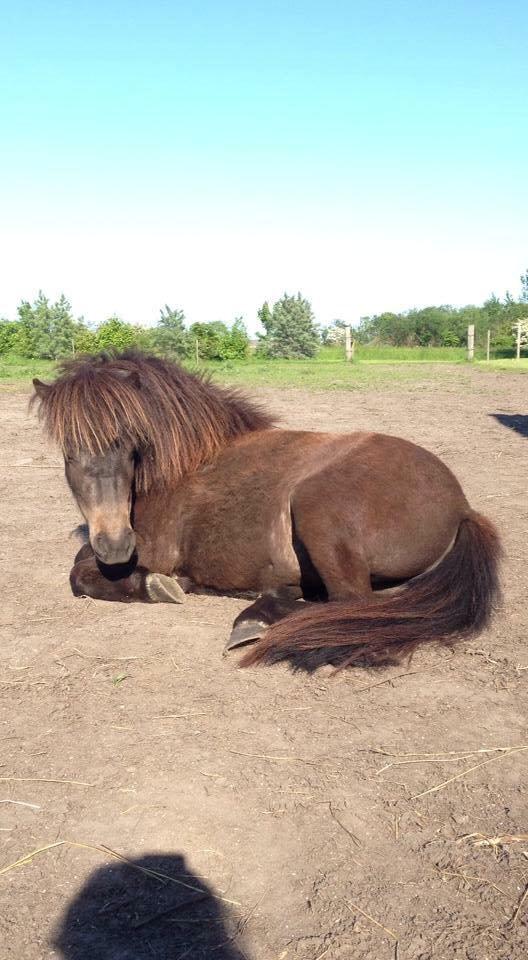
pixel 41 389
pixel 131 376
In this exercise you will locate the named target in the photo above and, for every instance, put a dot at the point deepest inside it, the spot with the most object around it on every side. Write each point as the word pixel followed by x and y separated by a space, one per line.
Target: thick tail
pixel 453 600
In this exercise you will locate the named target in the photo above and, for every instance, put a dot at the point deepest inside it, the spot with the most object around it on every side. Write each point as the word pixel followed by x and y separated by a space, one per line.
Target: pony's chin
pixel 115 560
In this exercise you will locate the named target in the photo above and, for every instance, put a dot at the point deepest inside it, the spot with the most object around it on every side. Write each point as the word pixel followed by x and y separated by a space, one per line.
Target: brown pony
pixel 186 485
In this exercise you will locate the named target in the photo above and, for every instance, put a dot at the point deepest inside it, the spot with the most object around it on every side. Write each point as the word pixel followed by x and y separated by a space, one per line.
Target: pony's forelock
pixel 175 419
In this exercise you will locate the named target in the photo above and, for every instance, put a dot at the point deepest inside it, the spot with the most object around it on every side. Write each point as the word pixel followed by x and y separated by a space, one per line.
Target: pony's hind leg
pixel 124 583
pixel 329 565
pixel 332 545
pixel 253 622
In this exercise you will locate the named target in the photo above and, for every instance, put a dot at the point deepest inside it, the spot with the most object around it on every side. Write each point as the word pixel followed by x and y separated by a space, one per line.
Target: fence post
pixel 349 353
pixel 518 325
pixel 471 341
pixel 196 350
pixel 488 346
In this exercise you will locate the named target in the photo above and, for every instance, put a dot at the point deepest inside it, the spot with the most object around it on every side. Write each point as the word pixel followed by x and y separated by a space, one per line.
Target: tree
pixel 235 343
pixel 8 332
pixel 207 337
pixel 85 340
pixel 115 333
pixel 170 336
pixel 394 328
pixel 445 325
pixel 290 328
pixel 264 316
pixel 62 328
pixel 430 325
pixel 217 341
pixel 44 330
pixel 524 287
pixel 34 333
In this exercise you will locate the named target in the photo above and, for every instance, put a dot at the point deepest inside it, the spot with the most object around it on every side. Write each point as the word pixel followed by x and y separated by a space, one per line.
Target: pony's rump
pixel 453 600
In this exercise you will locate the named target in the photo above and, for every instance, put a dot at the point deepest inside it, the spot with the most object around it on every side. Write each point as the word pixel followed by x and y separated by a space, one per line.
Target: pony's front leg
pixel 124 583
pixel 252 623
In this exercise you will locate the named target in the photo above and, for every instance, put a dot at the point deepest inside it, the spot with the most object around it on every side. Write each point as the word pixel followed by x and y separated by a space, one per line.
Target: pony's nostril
pixel 99 542
pixel 130 541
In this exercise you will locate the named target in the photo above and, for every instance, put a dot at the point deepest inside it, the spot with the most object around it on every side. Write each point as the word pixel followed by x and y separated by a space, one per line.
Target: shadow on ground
pixel 514 421
pixel 125 913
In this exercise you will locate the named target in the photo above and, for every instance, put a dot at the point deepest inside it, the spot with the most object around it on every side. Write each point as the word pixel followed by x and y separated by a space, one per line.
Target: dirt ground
pixel 289 804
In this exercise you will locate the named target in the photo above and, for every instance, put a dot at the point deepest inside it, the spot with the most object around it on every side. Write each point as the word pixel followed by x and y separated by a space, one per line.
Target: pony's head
pixel 102 484
pixel 127 423
pixel 100 454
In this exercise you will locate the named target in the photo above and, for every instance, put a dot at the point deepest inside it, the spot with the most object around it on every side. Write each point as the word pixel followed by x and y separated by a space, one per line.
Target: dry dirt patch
pixel 283 801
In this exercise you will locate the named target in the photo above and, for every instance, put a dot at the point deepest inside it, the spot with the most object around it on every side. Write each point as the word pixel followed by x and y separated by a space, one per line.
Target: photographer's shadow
pixel 135 911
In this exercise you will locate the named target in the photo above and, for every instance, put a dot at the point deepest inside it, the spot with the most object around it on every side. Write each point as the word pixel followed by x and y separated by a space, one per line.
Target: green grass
pixel 386 354
pixel 329 375
pixel 373 367
pixel 335 373
pixel 511 366
pixel 17 368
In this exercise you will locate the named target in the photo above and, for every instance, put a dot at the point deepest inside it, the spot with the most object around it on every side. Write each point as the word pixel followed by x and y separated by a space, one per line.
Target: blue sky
pixel 212 155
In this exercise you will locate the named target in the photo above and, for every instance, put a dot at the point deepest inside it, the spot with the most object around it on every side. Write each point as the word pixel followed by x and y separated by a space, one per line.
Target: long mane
pixel 176 420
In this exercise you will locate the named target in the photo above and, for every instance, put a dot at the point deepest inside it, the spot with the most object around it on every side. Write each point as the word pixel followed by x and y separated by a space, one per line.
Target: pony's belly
pixel 253 553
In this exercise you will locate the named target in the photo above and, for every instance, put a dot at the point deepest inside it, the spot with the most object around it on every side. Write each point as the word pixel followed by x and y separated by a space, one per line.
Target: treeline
pixel 446 326
pixel 44 330
pixel 49 331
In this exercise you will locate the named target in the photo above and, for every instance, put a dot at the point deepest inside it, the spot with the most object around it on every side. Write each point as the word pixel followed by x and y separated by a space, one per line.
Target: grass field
pixel 387 354
pixel 372 367
pixel 19 369
pixel 512 366
pixel 330 375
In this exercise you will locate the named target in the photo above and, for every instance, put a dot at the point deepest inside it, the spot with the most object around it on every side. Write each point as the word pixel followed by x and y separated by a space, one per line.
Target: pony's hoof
pixel 248 631
pixel 162 589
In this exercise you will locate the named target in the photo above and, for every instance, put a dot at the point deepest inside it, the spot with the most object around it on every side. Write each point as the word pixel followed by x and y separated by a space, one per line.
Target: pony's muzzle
pixel 115 549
